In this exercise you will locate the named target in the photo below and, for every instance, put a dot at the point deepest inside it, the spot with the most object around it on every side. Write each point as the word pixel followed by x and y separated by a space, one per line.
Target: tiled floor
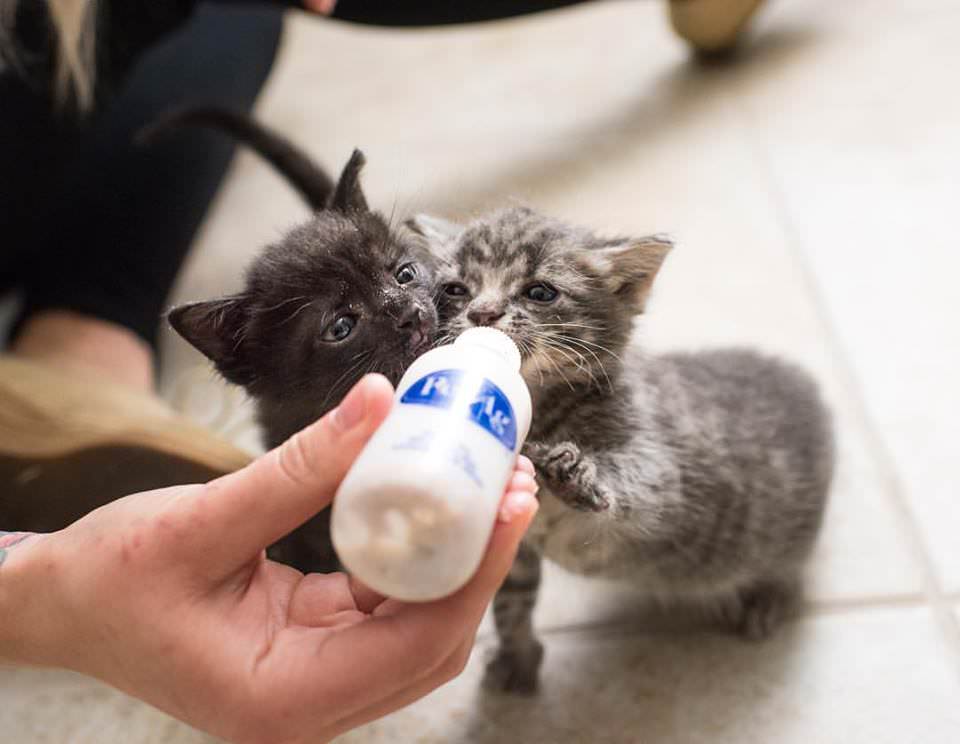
pixel 812 189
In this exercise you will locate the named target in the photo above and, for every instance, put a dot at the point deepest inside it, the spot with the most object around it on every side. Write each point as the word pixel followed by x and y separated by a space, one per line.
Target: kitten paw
pixel 515 670
pixel 763 608
pixel 572 476
pixel 538 452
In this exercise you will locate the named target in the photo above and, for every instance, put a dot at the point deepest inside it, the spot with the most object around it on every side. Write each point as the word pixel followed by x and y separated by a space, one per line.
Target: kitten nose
pixel 484 316
pixel 409 319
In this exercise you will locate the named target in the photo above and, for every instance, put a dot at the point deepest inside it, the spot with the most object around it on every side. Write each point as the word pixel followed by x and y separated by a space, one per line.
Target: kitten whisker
pixel 560 372
pixel 362 353
pixel 345 376
pixel 264 310
pixel 597 358
pixel 572 343
pixel 579 362
pixel 393 215
pixel 586 367
pixel 562 345
pixel 527 350
pixel 599 347
pixel 572 325
pixel 444 339
pixel 373 367
pixel 296 312
pixel 577 339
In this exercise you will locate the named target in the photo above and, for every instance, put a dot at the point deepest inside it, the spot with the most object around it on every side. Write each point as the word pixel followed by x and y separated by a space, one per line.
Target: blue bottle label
pixel 477 399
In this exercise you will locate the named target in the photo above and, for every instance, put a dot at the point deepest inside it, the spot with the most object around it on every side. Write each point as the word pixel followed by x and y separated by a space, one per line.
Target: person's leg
pixel 121 220
pixel 99 237
pixel 86 345
pixel 33 147
pixel 36 147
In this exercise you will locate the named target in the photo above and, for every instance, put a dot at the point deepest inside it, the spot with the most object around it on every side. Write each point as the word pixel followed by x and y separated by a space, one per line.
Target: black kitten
pixel 339 296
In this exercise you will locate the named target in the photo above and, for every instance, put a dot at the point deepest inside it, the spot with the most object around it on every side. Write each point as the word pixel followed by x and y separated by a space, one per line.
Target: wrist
pixel 25 606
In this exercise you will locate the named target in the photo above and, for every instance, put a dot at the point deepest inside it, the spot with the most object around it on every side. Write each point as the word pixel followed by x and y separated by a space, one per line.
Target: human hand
pixel 168 596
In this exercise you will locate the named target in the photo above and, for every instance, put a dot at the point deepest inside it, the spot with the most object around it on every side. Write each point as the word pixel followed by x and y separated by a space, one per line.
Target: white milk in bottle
pixel 414 514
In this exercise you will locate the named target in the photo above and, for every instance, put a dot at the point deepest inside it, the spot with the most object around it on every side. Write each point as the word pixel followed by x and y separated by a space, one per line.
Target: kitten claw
pixel 572 476
pixel 557 462
pixel 562 461
pixel 593 502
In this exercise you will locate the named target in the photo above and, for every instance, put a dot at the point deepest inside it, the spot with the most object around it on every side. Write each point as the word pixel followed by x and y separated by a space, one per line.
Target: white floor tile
pixel 882 676
pixel 52 707
pixel 862 144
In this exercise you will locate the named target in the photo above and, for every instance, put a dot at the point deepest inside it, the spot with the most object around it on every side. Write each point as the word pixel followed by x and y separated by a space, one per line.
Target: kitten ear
pixel 216 329
pixel 348 195
pixel 629 266
pixel 439 233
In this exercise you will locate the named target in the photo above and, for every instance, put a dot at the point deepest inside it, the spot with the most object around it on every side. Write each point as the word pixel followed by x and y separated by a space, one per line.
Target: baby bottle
pixel 413 516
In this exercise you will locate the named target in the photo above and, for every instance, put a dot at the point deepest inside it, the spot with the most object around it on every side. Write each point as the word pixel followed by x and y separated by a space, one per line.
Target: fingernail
pixel 517 504
pixel 525 464
pixel 525 481
pixel 352 409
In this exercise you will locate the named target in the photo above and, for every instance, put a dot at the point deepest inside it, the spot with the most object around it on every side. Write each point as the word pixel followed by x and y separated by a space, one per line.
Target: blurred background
pixel 811 185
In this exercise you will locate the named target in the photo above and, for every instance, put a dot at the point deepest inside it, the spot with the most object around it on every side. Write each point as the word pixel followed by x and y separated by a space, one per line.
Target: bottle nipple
pixel 494 340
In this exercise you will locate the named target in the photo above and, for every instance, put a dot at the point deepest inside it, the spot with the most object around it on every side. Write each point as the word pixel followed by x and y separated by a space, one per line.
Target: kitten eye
pixel 455 289
pixel 541 292
pixel 406 273
pixel 340 328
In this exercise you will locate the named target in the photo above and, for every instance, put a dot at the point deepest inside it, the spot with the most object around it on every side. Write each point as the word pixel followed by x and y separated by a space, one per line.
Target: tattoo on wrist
pixel 9 539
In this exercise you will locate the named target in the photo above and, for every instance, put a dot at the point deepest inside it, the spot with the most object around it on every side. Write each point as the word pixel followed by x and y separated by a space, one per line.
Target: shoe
pixel 711 26
pixel 69 444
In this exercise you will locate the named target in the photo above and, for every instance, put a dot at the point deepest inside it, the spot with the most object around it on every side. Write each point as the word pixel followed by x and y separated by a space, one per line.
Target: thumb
pixel 252 508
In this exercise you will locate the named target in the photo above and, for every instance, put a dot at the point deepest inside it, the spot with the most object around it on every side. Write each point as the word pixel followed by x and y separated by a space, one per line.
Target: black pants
pixel 92 223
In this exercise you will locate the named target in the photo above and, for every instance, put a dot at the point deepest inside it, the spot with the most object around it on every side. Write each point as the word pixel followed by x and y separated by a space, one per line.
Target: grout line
pixel 809 609
pixel 894 492
pixel 840 606
pixel 652 623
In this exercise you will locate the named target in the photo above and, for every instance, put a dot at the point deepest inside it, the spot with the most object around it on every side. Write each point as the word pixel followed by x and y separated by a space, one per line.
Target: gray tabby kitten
pixel 700 477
